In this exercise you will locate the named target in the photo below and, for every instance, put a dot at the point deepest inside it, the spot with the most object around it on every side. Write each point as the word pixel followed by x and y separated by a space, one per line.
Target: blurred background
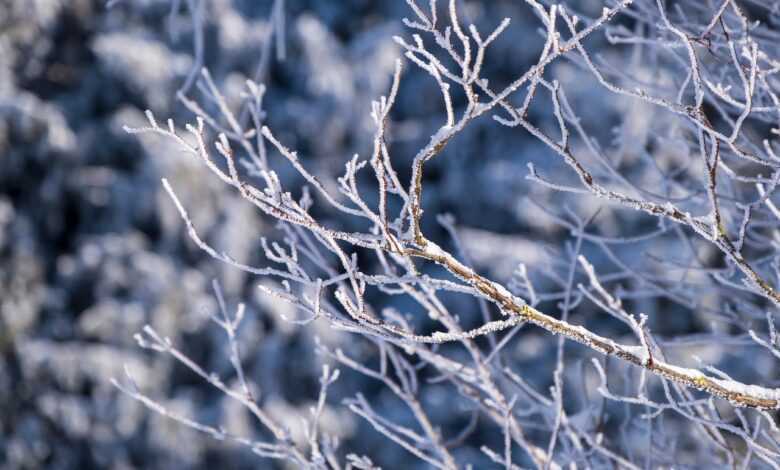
pixel 92 249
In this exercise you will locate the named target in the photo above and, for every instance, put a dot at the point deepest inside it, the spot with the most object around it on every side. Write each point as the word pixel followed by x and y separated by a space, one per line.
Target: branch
pixel 736 393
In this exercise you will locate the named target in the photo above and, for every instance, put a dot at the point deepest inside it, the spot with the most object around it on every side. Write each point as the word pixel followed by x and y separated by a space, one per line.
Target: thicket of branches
pixel 694 155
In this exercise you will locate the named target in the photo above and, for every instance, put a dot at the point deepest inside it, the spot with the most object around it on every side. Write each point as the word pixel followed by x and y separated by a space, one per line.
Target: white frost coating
pixel 503 292
pixel 434 250
pixel 730 385
pixel 638 351
pixel 441 134
pixel 440 337
pixel 591 337
pixel 692 373
pixel 750 390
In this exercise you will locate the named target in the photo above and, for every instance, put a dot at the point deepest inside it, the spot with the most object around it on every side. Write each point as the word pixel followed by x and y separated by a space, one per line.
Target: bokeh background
pixel 91 248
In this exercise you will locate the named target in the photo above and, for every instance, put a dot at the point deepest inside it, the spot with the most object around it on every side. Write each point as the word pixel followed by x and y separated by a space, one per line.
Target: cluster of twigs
pixel 727 91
